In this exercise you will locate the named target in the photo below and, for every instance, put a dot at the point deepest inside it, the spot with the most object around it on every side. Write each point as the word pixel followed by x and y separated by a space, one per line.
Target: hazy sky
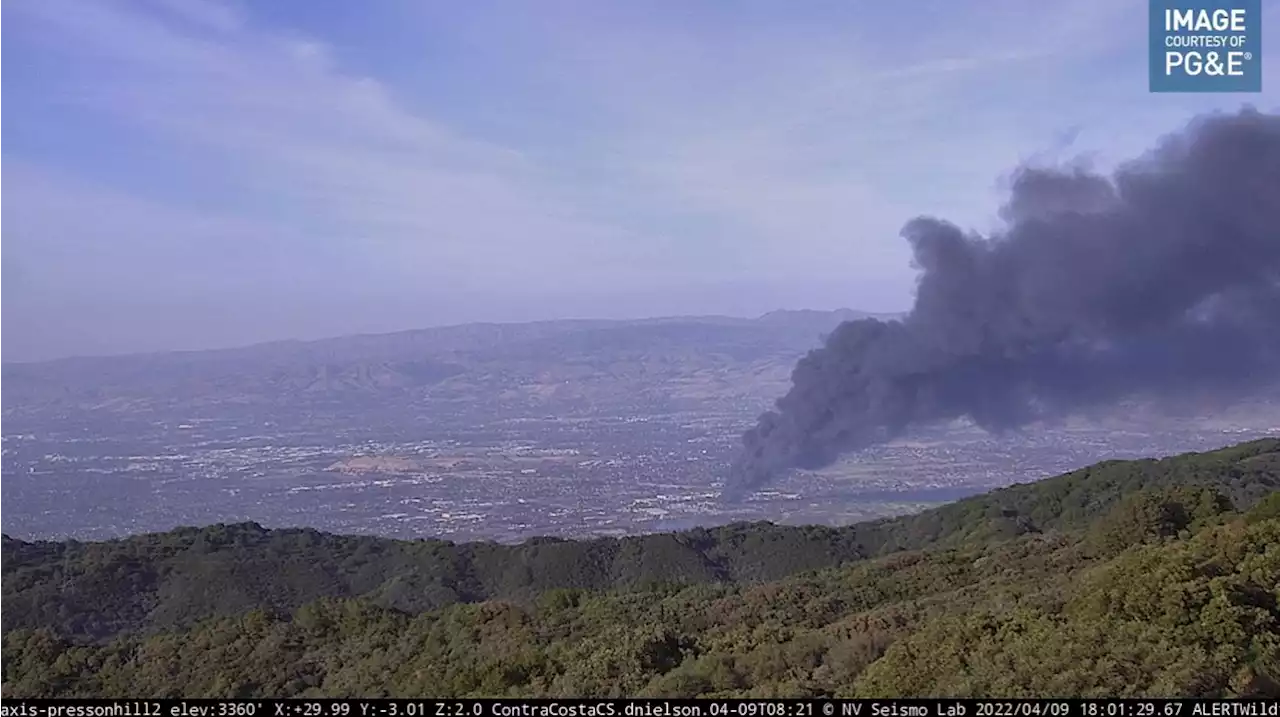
pixel 183 174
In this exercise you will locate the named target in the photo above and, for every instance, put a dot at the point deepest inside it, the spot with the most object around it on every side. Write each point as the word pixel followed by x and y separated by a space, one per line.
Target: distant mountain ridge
pixel 473 335
pixel 414 362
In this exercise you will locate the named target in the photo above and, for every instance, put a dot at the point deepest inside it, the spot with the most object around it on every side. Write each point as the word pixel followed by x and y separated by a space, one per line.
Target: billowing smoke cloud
pixel 1160 280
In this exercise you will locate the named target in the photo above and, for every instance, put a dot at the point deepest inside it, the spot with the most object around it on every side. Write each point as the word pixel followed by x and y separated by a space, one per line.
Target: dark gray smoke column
pixel 1158 281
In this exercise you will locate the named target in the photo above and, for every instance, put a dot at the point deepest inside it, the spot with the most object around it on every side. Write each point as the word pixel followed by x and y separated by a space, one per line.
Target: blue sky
pixel 187 174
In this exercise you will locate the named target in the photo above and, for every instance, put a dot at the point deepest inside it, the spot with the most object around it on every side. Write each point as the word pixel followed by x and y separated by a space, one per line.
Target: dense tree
pixel 1136 578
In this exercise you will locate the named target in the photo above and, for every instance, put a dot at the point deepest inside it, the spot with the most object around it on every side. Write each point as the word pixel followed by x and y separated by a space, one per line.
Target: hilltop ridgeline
pixel 1128 577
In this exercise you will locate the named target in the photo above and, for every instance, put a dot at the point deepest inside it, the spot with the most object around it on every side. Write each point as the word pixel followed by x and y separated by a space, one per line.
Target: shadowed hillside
pixel 171 580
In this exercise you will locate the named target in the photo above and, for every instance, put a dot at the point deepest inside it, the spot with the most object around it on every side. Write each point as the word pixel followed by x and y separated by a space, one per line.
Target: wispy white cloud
pixel 816 146
pixel 654 151
pixel 72 238
pixel 312 141
pixel 812 150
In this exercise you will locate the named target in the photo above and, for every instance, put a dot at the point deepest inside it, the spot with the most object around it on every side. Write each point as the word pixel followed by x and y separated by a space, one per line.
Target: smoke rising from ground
pixel 1158 281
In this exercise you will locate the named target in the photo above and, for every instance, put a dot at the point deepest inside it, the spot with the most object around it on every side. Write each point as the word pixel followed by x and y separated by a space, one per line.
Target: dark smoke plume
pixel 1156 282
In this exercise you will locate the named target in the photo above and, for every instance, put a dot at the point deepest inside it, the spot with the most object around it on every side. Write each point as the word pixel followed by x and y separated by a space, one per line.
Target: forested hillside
pixel 1126 578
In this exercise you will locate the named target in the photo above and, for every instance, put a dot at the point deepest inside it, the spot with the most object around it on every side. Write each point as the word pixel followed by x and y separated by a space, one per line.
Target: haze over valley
pixel 1083 273
pixel 495 350
pixel 503 432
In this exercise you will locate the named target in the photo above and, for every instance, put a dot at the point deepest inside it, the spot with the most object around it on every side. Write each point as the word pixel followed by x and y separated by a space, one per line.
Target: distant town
pixel 493 454
pixel 517 479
